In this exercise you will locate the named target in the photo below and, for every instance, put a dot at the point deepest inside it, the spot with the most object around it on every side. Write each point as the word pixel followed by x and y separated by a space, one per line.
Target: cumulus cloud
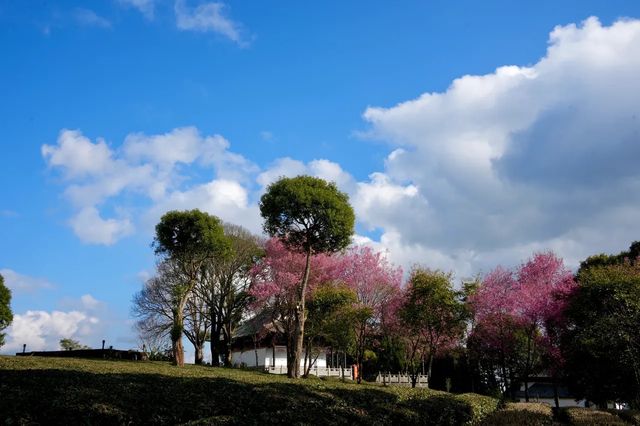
pixel 91 228
pixel 23 284
pixel 208 17
pixel 42 330
pixel 159 172
pixel 520 159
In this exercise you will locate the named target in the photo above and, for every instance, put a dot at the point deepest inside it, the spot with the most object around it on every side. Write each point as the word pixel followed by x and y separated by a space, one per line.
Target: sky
pixel 467 134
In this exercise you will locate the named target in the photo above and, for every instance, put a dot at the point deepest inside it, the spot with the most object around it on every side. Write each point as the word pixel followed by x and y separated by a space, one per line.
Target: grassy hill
pixel 73 391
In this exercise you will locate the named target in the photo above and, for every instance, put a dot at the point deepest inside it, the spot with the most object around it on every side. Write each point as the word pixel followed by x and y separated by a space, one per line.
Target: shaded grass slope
pixel 73 391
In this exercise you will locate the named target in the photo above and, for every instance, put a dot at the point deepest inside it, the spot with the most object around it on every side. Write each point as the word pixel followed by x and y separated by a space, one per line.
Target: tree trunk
pixel 176 338
pixel 300 319
pixel 431 356
pixel 214 343
pixel 556 398
pixel 199 358
pixel 526 389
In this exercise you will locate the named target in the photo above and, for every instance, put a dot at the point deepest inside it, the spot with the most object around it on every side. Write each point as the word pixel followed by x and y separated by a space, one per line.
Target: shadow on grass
pixel 52 396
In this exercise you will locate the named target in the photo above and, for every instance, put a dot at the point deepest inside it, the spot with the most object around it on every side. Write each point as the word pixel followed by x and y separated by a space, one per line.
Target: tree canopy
pixel 308 214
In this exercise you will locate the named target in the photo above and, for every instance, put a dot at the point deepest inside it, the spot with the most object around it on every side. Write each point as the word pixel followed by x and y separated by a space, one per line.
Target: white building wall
pixel 265 355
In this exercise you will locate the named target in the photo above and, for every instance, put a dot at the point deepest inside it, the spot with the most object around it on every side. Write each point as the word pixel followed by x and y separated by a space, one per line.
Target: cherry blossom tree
pixel 276 278
pixel 514 315
pixel 376 283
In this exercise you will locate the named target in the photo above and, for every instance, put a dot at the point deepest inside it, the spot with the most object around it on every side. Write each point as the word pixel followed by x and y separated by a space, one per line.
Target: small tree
pixel 189 239
pixel 311 216
pixel 71 345
pixel 6 316
pixel 330 319
pixel 433 316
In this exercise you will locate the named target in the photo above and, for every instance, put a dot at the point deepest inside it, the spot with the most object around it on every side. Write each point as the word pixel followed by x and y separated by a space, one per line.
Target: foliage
pixel 311 216
pixel 72 391
pixel 68 344
pixel 307 214
pixel 432 316
pixel 188 239
pixel 521 413
pixel 602 344
pixel 6 316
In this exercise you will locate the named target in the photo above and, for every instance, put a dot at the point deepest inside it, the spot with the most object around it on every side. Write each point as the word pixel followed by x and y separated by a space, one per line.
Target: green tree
pixel 311 216
pixel 71 345
pixel 601 343
pixel 6 316
pixel 433 315
pixel 225 289
pixel 330 318
pixel 189 239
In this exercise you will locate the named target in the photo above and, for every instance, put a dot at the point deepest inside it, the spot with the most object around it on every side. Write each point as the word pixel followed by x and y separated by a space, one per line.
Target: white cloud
pixel 93 229
pixel 322 168
pixel 226 199
pixel 78 155
pixel 165 170
pixel 146 7
pixel 42 330
pixel 524 158
pixel 23 284
pixel 208 17
pixel 89 18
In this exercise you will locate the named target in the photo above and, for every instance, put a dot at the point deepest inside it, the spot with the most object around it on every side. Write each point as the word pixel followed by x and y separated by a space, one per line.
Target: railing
pixel 401 379
pixel 345 372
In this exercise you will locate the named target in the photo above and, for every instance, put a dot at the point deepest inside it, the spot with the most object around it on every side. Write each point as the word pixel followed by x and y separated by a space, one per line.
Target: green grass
pixel 72 391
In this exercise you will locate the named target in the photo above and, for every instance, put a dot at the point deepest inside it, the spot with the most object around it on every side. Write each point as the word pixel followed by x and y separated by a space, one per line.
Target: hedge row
pixel 587 417
pixel 521 414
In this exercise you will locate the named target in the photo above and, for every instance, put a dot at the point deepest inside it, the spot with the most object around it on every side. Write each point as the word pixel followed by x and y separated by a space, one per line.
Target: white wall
pixel 265 355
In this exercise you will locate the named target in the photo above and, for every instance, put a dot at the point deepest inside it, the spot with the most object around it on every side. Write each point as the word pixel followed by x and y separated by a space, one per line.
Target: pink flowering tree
pixel 276 278
pixel 514 312
pixel 544 284
pixel 376 282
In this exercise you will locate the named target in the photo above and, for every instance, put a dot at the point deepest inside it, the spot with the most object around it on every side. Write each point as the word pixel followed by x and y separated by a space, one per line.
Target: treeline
pixel 487 335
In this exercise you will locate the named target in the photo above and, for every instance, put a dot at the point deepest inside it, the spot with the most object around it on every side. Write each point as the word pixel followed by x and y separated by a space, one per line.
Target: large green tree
pixel 225 289
pixel 6 316
pixel 189 239
pixel 309 215
pixel 602 343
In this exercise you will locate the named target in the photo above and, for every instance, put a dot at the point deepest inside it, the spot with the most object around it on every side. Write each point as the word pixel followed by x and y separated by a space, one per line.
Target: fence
pixel 401 380
pixel 345 372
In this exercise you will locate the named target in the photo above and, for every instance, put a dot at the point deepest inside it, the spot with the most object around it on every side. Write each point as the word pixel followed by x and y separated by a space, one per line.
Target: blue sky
pixel 455 172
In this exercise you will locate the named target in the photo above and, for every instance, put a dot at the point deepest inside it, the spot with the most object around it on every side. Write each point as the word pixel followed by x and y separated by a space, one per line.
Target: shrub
pixel 441 408
pixel 631 416
pixel 481 406
pixel 588 417
pixel 521 413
